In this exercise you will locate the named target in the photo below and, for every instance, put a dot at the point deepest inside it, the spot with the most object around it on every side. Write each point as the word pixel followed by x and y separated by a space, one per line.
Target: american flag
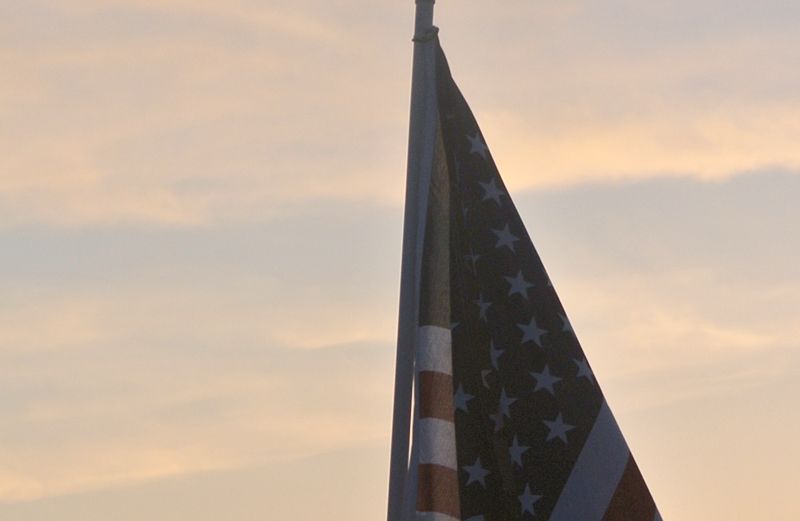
pixel 510 422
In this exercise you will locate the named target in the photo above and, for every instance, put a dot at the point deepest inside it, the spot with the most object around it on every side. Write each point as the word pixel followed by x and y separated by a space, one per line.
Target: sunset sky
pixel 200 227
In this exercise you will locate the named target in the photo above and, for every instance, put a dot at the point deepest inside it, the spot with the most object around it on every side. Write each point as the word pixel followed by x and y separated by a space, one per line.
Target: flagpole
pixel 421 135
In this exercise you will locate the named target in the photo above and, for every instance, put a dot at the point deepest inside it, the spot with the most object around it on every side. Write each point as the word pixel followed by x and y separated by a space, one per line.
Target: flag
pixel 510 422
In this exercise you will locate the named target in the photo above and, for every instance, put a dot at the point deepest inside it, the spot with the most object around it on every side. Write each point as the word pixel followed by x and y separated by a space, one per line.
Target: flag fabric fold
pixel 509 422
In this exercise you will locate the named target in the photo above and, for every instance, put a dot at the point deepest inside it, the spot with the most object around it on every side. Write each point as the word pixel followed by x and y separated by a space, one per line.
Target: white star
pixel 584 370
pixel 477 474
pixel 473 259
pixel 518 285
pixel 505 403
pixel 545 380
pixel 558 429
pixel 516 451
pixel 461 398
pixel 478 145
pixel 567 325
pixel 532 332
pixel 505 238
pixel 491 191
pixel 527 500
pixel 495 354
pixel 484 305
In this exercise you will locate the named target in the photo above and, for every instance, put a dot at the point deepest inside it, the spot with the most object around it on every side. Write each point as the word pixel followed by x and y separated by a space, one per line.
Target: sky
pixel 200 227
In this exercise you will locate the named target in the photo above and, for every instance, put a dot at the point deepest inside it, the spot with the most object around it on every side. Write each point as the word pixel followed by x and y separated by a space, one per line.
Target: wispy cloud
pixel 179 114
pixel 111 416
pixel 173 352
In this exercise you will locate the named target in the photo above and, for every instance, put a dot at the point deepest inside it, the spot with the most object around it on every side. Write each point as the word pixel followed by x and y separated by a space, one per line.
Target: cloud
pixel 280 490
pixel 122 123
pixel 678 289
pixel 182 114
pixel 180 390
pixel 115 414
pixel 131 355
pixel 31 326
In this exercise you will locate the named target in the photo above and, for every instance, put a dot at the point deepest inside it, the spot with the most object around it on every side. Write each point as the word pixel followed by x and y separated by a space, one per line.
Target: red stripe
pixel 438 491
pixel 436 396
pixel 632 500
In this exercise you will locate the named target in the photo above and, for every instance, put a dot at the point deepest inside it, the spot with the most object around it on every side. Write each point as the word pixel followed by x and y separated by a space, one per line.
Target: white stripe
pixel 434 440
pixel 657 516
pixel 437 442
pixel 434 516
pixel 434 350
pixel 596 474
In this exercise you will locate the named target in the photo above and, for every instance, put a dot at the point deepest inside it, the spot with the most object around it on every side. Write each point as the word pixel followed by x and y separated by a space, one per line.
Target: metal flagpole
pixel 422 129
